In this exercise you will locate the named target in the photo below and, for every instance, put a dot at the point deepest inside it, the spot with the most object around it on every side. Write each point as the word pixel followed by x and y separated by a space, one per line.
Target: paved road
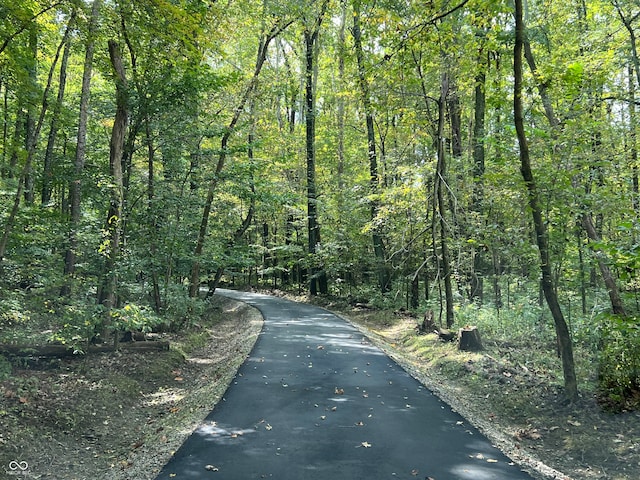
pixel 316 400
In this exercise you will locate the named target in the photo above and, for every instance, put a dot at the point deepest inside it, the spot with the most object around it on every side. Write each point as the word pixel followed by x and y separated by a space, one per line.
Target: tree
pixel 379 249
pixel 549 289
pixel 83 116
pixel 317 276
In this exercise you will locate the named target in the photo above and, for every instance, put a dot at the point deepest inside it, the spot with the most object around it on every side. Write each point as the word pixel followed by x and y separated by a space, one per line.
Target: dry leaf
pixel 365 445
pixel 339 391
pixel 575 423
pixel 491 460
pixel 211 468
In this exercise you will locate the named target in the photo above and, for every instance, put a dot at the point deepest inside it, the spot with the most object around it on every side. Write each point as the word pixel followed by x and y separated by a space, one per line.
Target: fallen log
pixel 67 351
pixel 429 325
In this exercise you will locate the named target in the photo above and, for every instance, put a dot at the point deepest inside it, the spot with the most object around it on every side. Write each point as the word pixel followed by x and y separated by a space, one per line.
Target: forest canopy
pixel 460 156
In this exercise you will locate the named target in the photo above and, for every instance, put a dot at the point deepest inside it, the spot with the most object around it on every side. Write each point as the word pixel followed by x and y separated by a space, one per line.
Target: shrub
pixel 619 363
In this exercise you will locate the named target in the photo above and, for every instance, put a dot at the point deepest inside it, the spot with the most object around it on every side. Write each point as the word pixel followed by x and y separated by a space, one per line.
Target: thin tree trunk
pixel 25 181
pixel 617 306
pixel 562 330
pixel 81 146
pixel 477 200
pixel 47 173
pixel 31 134
pixel 194 282
pixel 633 143
pixel 107 292
pixel 384 278
pixel 5 129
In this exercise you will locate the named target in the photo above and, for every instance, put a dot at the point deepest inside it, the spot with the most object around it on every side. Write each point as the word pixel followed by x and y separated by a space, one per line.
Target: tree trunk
pixel 617 306
pixel 107 292
pixel 562 330
pixel 317 275
pixel 33 128
pixel 81 146
pixel 47 169
pixel 384 277
pixel 194 281
pixel 440 183
pixel 478 141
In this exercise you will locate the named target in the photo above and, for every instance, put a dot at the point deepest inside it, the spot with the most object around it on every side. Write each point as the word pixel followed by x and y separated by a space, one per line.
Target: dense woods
pixel 460 156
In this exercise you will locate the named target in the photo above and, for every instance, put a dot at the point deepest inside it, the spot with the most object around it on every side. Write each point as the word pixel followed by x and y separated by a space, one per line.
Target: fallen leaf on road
pixel 211 468
pixel 365 445
pixel 339 391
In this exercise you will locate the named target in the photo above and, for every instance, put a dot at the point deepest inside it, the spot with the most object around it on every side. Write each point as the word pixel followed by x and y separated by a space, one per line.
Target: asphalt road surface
pixel 316 400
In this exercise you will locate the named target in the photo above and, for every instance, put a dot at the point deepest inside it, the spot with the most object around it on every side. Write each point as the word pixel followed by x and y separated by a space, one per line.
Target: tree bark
pixel 107 292
pixel 477 200
pixel 440 184
pixel 47 169
pixel 81 147
pixel 562 330
pixel 317 275
pixel 617 307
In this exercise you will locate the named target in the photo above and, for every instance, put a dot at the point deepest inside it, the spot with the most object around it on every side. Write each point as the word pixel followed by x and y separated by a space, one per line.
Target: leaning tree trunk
pixel 107 292
pixel 548 287
pixel 194 281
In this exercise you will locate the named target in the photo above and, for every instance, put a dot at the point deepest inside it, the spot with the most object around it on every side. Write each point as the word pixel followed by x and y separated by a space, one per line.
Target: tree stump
pixel 469 339
pixel 428 324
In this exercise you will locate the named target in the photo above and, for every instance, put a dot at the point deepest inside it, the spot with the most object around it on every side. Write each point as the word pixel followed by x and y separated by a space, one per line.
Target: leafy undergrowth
pixel 120 416
pixel 512 391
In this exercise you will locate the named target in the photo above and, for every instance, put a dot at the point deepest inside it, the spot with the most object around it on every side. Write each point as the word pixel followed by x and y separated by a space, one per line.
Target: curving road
pixel 316 400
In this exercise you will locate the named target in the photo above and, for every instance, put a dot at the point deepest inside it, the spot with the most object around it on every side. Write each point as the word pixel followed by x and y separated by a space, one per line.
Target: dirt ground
pixel 122 416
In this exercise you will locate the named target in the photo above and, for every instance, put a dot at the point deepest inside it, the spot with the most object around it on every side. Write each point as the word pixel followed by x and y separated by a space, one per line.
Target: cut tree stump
pixel 469 339
pixel 66 351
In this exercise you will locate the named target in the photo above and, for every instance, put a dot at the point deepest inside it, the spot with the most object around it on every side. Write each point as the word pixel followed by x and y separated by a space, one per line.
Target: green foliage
pixel 79 324
pixel 619 362
pixel 5 368
pixel 135 318
pixel 181 311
